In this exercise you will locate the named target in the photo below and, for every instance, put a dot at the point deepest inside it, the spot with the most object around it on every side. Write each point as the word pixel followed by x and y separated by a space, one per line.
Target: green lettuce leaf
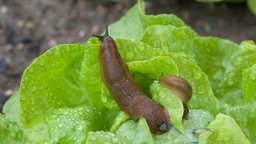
pixel 105 137
pixel 230 88
pixel 56 80
pixel 249 84
pixel 119 120
pixel 223 129
pixel 171 38
pixel 11 108
pixel 11 132
pixel 245 115
pixel 136 132
pixel 10 123
pixel 213 56
pixel 71 125
pixel 133 24
pixel 51 81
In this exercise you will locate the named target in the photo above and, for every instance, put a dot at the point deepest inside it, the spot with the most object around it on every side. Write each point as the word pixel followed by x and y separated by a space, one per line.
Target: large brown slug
pixel 128 95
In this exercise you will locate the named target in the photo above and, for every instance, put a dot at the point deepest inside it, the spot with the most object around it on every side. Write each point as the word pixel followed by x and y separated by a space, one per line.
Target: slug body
pixel 128 95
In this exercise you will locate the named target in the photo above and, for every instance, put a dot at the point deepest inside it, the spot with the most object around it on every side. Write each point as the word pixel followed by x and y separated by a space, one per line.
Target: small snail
pixel 126 92
pixel 180 87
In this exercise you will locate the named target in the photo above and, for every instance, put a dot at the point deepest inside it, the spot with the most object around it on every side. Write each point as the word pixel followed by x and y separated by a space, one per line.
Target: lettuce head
pixel 62 98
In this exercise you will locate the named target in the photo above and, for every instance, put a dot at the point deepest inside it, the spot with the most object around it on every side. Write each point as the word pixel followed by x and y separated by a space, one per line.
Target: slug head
pixel 101 38
pixel 157 117
pixel 160 123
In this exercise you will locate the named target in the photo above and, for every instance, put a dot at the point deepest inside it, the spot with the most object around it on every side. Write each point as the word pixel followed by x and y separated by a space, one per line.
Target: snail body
pixel 126 92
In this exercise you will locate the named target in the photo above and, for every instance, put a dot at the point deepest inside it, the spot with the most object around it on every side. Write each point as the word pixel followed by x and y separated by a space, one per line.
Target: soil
pixel 28 28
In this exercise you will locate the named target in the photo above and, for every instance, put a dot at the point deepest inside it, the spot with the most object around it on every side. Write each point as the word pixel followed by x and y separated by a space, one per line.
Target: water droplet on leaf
pixel 196 74
pixel 61 125
pixel 200 89
pixel 31 69
pixel 129 54
pixel 115 140
pixel 13 134
pixel 92 138
pixel 230 82
pixel 253 75
pixel 141 47
pixel 3 126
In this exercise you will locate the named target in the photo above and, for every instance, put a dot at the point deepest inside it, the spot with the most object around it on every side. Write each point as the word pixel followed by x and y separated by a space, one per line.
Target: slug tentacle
pixel 103 36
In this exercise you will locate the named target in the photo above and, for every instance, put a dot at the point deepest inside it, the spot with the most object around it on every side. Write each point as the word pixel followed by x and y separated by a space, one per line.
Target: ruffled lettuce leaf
pixel 11 108
pixel 170 39
pixel 135 132
pixel 11 132
pixel 249 84
pixel 230 88
pixel 213 56
pixel 71 125
pixel 244 115
pixel 105 137
pixel 48 78
pixel 10 123
pixel 133 24
pixel 56 81
pixel 223 129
